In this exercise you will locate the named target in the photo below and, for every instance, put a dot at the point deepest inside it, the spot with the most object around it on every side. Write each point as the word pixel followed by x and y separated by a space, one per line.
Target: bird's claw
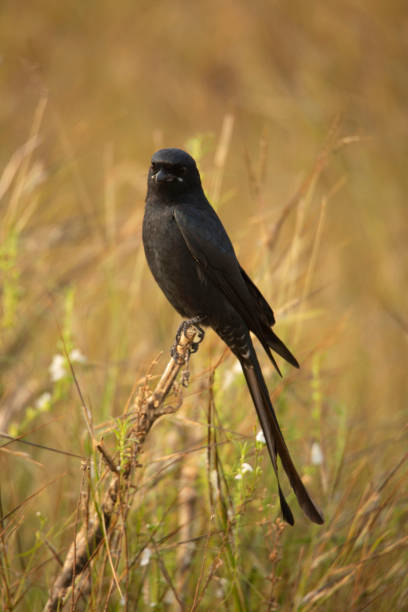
pixel 200 337
pixel 182 330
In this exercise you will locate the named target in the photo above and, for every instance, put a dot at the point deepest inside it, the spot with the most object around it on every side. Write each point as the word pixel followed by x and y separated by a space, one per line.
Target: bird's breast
pixel 170 260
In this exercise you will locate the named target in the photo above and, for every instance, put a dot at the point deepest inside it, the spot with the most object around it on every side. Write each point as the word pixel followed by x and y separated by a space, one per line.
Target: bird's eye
pixel 154 167
pixel 183 170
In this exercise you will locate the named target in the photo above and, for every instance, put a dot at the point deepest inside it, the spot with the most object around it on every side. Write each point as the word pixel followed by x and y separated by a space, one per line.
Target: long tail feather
pixel 275 441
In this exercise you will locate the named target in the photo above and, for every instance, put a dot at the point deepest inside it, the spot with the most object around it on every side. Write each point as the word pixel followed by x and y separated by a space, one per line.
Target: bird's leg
pixel 182 329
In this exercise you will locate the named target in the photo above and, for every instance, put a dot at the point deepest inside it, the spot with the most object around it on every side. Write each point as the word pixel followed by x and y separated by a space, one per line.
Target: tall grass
pixel 200 524
pixel 316 209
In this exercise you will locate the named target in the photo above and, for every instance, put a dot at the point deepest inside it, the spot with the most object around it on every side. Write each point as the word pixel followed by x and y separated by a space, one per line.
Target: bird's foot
pixel 182 329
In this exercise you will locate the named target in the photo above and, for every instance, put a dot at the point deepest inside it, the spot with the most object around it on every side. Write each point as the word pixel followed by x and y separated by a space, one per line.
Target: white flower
pixel 43 401
pixel 77 356
pixel 260 437
pixel 145 558
pixel 57 368
pixel 316 454
pixel 245 467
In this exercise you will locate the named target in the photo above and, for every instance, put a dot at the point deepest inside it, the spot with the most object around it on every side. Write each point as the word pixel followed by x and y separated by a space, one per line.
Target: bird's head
pixel 172 172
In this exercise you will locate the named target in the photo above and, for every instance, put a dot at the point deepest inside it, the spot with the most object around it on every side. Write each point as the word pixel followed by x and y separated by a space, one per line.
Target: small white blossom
pixel 77 356
pixel 145 558
pixel 43 401
pixel 316 454
pixel 260 437
pixel 245 467
pixel 57 368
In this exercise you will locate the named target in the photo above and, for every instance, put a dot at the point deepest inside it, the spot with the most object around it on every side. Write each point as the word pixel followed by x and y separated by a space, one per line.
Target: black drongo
pixel 194 263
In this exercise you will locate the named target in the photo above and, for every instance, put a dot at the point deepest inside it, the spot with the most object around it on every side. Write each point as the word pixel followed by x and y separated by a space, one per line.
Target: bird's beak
pixel 162 176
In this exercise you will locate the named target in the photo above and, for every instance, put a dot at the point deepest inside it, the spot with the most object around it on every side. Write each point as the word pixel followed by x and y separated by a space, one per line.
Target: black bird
pixel 194 263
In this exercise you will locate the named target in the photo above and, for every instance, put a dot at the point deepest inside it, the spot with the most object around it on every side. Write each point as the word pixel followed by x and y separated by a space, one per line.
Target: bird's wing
pixel 266 319
pixel 210 246
pixel 263 307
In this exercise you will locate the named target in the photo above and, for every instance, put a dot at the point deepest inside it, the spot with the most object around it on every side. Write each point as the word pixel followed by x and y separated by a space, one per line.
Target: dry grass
pixel 298 121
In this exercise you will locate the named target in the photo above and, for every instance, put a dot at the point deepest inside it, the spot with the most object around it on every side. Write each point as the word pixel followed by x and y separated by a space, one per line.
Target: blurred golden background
pixel 296 113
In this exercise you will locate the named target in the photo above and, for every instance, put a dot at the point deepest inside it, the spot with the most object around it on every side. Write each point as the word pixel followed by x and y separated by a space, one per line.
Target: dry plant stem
pixel 91 534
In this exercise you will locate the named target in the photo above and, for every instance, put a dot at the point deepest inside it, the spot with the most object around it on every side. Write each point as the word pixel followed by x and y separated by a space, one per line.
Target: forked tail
pixel 275 441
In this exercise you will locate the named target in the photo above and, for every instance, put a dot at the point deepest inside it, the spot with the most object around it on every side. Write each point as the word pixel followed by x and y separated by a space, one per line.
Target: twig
pixel 91 534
